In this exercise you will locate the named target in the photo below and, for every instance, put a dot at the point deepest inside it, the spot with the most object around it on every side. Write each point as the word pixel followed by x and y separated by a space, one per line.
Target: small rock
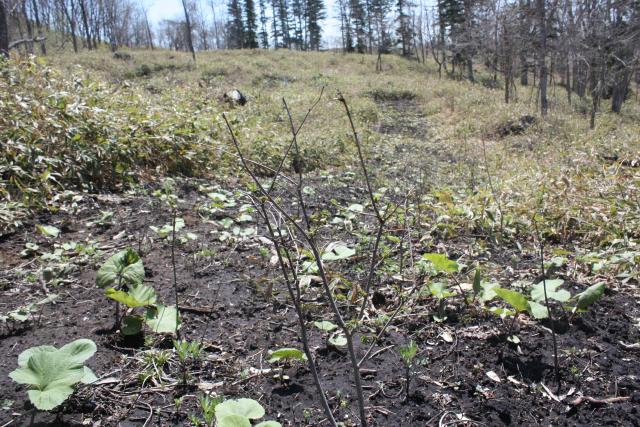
pixel 122 56
pixel 234 97
pixel 513 127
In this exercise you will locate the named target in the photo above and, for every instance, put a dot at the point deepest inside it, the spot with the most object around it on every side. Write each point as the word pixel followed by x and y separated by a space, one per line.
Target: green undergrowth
pixel 94 122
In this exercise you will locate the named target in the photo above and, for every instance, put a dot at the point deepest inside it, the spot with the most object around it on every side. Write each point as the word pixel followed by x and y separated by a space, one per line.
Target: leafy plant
pixel 53 372
pixel 589 296
pixel 441 292
pixel 122 276
pixel 335 339
pixel 337 251
pixel 25 313
pixel 208 407
pixel 285 355
pixel 187 351
pixel 440 263
pixel 48 230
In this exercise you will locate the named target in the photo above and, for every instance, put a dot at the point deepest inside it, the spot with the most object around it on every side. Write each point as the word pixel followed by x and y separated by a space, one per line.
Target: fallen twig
pixel 595 401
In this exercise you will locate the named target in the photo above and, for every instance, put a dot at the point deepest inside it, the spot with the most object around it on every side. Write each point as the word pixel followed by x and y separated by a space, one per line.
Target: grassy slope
pixel 162 110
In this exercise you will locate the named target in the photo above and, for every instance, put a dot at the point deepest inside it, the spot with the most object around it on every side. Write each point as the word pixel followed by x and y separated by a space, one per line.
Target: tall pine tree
pixel 235 26
pixel 264 34
pixel 251 27
pixel 314 14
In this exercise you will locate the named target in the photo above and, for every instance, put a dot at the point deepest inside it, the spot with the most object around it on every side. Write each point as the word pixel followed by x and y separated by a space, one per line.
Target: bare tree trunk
pixel 36 15
pixel 149 34
pixel 4 31
pixel 85 23
pixel 619 90
pixel 72 24
pixel 29 43
pixel 189 36
pixel 215 25
pixel 542 64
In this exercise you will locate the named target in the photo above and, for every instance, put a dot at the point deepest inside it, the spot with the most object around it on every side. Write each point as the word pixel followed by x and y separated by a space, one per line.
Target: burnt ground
pixel 233 300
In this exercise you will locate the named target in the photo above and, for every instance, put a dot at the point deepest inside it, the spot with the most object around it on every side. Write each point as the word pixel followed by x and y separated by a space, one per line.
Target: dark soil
pixel 227 302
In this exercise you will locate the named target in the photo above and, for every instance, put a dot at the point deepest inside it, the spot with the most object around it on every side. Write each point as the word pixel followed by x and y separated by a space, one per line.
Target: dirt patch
pixel 233 300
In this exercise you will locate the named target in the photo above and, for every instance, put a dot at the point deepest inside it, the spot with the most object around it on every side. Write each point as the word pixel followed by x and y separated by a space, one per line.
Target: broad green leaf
pixel 88 376
pixel 538 310
pixel 309 267
pixel 286 353
pixel 23 357
pixel 269 423
pixel 131 325
pixel 163 319
pixel 52 372
pixel 590 295
pixel 79 350
pixel 439 290
pixel 45 400
pixel 233 421
pixel 137 296
pixel 48 230
pixel 125 267
pixel 488 291
pixel 336 251
pixel 441 263
pixel 325 326
pixel 338 340
pixel 167 229
pixel 247 408
pixel 562 295
pixel 513 298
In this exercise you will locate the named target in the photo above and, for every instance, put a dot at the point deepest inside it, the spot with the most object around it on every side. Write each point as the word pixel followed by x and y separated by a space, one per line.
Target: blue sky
pixel 165 9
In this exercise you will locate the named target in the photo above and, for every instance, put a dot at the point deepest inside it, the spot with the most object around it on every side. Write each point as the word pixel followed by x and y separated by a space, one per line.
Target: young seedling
pixel 516 300
pixel 336 339
pixel 440 263
pixel 187 352
pixel 285 356
pixel 441 292
pixel 408 355
pixel 53 372
pixel 208 407
pixel 118 273
pixel 122 276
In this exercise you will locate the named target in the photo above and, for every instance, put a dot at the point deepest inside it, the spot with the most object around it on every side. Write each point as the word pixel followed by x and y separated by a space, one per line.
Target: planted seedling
pixel 53 372
pixel 285 356
pixel 25 314
pixel 408 354
pixel 118 273
pixel 441 292
pixel 121 276
pixel 517 301
pixel 434 264
pixel 585 299
pixel 335 339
